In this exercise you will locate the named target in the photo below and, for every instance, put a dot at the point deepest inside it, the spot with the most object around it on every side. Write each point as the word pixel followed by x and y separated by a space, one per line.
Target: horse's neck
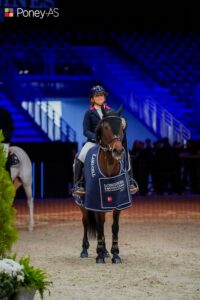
pixel 108 165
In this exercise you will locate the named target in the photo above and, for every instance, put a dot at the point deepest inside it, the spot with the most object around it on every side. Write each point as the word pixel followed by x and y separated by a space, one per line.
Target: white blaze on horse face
pixel 117 150
pixel 117 146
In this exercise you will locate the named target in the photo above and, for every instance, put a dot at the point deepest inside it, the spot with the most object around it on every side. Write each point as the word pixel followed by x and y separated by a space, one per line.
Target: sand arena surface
pixel 160 249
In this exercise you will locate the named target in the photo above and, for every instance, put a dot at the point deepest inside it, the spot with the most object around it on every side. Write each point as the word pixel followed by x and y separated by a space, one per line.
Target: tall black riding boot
pixel 78 189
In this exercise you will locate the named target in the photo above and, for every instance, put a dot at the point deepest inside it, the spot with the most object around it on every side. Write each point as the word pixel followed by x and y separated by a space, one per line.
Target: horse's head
pixel 110 132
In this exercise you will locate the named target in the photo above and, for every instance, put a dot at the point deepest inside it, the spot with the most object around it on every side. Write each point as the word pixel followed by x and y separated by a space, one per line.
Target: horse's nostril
pixel 118 151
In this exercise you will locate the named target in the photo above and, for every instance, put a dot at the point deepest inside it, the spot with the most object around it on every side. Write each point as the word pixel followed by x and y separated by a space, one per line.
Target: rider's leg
pixel 132 183
pixel 78 178
pixel 79 189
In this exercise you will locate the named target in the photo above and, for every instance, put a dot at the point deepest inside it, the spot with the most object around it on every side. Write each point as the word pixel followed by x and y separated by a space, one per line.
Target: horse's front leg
pixel 105 251
pixel 100 220
pixel 115 230
pixel 85 242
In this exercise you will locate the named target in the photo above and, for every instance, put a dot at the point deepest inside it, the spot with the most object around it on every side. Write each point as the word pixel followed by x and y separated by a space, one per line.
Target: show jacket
pixel 90 122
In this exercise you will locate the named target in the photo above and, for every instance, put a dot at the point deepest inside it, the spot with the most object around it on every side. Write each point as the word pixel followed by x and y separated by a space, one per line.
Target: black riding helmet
pixel 96 90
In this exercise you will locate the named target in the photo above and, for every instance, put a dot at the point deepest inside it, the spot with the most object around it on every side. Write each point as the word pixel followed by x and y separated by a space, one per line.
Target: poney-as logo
pixel 8 12
pixel 31 13
pixel 28 9
pixel 20 12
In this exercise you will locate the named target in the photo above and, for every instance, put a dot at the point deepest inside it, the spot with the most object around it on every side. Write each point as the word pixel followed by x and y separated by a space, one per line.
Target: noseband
pixel 109 146
pixel 115 138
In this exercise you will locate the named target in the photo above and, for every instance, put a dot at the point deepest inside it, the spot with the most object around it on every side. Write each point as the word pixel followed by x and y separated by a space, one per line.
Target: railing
pixel 45 116
pixel 161 121
pixel 51 123
pixel 33 101
pixel 156 117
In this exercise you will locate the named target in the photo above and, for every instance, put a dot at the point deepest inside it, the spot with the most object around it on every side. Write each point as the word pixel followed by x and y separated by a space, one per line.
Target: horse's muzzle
pixel 117 153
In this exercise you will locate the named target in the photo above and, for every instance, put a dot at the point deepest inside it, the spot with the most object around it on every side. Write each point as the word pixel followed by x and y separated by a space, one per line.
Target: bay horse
pixel 107 159
pixel 21 175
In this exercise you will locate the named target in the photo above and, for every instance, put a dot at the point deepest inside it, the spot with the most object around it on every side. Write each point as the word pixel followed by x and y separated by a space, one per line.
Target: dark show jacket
pixel 90 122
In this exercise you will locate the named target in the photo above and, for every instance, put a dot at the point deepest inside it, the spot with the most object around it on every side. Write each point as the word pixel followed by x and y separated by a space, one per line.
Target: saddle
pixel 13 159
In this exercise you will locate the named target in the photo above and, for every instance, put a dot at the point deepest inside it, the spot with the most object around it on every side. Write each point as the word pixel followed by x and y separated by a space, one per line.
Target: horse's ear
pixel 118 112
pixel 103 110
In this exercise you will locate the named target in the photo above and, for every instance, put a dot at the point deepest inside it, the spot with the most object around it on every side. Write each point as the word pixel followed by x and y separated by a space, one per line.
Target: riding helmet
pixel 96 90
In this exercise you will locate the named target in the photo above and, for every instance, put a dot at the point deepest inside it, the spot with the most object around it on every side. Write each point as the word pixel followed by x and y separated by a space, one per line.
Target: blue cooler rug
pixel 104 193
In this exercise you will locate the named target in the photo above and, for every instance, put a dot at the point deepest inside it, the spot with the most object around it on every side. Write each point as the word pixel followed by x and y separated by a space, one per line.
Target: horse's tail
pixel 91 224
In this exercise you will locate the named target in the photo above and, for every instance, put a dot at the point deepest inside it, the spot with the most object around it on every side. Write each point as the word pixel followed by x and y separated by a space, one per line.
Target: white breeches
pixel 84 151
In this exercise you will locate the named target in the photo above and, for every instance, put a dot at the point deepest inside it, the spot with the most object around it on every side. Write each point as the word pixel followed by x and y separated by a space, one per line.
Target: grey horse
pixel 21 175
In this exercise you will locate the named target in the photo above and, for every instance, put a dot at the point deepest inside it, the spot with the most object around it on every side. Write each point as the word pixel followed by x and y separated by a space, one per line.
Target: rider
pixel 7 126
pixel 91 119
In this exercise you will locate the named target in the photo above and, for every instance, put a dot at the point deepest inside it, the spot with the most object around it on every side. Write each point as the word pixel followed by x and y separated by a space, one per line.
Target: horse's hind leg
pixel 85 243
pixel 115 230
pixel 17 183
pixel 28 191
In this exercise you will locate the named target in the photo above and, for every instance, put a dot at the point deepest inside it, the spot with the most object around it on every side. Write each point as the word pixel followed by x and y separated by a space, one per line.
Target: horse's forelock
pixel 115 123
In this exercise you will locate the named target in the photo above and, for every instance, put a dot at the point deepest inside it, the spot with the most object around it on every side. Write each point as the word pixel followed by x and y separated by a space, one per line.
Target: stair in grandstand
pixel 173 61
pixel 126 79
pixel 26 130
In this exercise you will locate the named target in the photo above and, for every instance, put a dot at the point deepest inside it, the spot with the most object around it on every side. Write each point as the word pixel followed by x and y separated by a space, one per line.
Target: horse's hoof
pixel 84 254
pixel 100 260
pixel 116 260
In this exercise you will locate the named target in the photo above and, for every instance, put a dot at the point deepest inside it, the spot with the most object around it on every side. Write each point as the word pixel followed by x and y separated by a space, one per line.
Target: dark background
pixel 57 159
pixel 141 15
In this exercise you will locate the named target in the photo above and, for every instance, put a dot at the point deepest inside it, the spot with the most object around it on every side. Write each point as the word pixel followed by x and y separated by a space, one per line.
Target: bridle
pixel 116 138
pixel 110 146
